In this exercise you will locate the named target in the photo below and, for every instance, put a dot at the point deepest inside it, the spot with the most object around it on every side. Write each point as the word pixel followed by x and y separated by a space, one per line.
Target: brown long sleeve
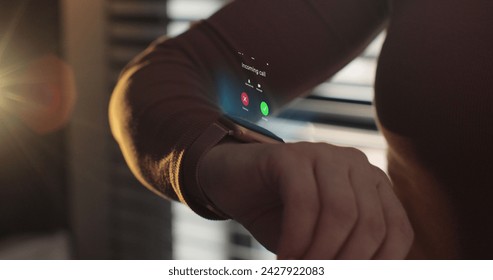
pixel 166 98
pixel 433 95
pixel 433 98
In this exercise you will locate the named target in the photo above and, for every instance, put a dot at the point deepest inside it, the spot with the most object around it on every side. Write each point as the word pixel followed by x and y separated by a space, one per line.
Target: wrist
pixel 191 190
pixel 214 167
pixel 214 171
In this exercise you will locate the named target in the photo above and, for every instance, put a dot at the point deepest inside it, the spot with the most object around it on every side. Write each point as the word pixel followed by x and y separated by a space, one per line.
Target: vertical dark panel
pixel 140 220
pixel 83 40
pixel 33 170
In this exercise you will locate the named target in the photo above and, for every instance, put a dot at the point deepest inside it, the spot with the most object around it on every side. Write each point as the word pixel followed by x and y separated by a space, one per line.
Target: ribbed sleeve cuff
pixel 192 192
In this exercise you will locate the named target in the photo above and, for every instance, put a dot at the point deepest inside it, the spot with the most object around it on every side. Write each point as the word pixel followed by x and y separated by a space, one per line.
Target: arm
pixel 164 101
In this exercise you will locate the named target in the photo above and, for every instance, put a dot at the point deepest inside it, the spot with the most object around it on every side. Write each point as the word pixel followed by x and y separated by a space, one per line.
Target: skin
pixel 308 200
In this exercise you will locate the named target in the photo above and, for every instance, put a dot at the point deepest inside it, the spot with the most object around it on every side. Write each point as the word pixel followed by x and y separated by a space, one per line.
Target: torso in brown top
pixel 433 96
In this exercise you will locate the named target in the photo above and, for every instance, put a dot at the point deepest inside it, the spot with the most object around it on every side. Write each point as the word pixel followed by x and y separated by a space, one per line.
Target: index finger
pixel 301 209
pixel 400 234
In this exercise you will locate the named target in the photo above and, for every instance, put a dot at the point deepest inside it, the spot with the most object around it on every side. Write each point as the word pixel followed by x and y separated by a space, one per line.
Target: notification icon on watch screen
pixel 245 99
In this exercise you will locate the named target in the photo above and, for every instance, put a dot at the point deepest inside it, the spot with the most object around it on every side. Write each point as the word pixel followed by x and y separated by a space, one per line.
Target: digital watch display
pixel 246 102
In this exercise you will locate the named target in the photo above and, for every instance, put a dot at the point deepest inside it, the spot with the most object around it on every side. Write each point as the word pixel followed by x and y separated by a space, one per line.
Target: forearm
pixel 167 97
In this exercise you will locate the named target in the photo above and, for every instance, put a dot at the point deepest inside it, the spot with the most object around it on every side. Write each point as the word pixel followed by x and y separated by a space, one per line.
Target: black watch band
pixel 225 126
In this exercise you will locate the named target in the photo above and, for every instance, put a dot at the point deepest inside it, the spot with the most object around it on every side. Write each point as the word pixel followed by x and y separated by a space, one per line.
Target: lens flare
pixel 8 99
pixel 40 93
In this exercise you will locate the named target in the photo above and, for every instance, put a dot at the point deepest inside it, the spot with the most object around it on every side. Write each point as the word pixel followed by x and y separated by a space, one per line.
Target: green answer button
pixel 264 108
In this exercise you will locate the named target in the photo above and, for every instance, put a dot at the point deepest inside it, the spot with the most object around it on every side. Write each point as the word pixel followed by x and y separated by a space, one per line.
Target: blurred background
pixel 66 192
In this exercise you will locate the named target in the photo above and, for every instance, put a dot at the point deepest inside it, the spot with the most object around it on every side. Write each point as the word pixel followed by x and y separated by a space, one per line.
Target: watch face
pixel 245 95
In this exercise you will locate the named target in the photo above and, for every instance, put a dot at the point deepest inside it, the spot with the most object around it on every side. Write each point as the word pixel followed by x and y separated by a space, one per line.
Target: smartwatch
pixel 241 130
pixel 248 132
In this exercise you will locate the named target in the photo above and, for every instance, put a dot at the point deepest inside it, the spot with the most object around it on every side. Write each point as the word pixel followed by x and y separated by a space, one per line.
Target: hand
pixel 308 201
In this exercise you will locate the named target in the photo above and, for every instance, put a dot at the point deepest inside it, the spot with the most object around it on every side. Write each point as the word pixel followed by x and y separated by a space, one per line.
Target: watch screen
pixel 246 95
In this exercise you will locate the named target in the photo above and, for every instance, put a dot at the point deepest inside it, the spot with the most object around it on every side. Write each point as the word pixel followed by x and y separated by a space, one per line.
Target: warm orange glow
pixel 41 93
pixel 173 161
pixel 51 93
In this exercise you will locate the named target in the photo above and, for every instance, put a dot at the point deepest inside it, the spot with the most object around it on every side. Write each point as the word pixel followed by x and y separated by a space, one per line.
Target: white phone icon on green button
pixel 264 108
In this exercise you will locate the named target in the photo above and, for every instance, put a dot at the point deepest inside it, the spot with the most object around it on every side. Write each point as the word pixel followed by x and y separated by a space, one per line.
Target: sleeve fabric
pixel 165 99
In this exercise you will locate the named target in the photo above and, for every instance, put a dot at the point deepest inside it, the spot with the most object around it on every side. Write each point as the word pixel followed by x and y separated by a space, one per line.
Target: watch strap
pixel 193 193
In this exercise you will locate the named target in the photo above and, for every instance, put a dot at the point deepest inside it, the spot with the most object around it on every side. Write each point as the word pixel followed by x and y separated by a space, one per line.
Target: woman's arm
pixel 166 100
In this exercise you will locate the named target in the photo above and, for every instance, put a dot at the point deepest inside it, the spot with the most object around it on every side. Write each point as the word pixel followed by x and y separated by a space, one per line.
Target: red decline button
pixel 244 99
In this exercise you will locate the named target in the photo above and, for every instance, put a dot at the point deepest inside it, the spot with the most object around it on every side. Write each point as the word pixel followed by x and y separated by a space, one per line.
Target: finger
pixel 370 230
pixel 399 231
pixel 301 207
pixel 338 213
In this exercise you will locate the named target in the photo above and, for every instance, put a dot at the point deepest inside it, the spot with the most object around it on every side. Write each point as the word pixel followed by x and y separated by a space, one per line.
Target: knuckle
pixel 401 227
pixel 381 174
pixel 283 160
pixel 356 155
pixel 312 208
pixel 381 177
pixel 301 151
pixel 406 230
pixel 288 149
pixel 322 145
pixel 279 155
pixel 376 229
pixel 291 154
pixel 346 216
